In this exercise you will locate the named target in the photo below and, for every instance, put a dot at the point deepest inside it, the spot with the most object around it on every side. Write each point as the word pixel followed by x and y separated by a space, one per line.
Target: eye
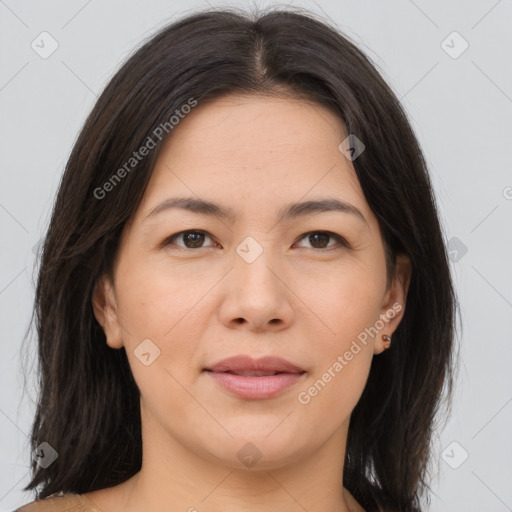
pixel 192 239
pixel 319 239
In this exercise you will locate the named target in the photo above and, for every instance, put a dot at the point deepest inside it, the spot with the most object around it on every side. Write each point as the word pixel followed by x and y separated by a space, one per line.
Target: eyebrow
pixel 290 211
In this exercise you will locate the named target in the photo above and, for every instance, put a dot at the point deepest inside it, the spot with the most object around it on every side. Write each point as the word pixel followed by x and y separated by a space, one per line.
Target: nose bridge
pixel 253 263
pixel 256 292
pixel 250 249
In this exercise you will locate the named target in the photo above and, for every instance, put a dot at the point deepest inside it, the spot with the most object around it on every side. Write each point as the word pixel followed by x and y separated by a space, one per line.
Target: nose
pixel 257 297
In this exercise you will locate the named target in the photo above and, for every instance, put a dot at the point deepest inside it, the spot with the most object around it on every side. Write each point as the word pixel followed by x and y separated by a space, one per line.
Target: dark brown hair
pixel 88 404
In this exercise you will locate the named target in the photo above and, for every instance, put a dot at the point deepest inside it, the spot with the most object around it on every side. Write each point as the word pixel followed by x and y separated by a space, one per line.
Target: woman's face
pixel 192 287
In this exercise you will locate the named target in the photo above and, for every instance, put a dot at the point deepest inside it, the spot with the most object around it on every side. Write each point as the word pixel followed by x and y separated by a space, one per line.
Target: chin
pixel 259 446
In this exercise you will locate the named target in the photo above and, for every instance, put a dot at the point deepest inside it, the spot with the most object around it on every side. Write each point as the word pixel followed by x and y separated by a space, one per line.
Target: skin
pixel 200 302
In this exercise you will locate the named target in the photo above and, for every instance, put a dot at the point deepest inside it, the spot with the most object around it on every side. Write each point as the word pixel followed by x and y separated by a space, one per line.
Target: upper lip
pixel 243 363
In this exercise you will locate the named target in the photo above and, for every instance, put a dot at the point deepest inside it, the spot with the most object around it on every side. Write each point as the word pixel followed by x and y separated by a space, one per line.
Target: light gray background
pixel 460 108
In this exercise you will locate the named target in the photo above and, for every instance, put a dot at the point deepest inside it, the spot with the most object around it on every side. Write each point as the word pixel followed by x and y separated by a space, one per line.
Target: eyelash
pixel 340 239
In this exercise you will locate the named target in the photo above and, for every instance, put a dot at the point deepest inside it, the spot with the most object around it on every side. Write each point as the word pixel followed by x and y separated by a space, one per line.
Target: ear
pixel 393 306
pixel 105 310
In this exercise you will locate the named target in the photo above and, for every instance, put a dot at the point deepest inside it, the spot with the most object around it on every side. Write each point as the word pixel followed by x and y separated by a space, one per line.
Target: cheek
pixel 159 317
pixel 156 300
pixel 350 307
pixel 337 388
pixel 162 307
pixel 349 302
pixel 340 375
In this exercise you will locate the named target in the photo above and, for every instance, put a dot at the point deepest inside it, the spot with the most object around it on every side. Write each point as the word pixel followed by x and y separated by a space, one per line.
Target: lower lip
pixel 256 387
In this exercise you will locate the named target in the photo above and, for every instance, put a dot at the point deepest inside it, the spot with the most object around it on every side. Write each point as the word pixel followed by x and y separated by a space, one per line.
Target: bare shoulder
pixel 64 503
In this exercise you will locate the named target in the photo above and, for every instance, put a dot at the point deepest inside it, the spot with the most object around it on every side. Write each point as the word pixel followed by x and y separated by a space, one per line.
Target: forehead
pixel 255 151
pixel 240 124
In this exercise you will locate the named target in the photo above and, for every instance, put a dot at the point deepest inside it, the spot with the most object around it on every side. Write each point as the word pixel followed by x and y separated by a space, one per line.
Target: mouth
pixel 253 373
pixel 243 364
pixel 248 378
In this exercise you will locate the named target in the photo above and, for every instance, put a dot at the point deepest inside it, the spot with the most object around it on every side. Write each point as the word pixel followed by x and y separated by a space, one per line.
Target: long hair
pixel 88 406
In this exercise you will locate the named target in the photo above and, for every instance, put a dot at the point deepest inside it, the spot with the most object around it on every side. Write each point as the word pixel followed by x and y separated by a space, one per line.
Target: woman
pixel 244 300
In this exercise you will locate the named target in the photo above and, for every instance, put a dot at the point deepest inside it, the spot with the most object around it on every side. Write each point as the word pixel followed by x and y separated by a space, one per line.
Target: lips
pixel 247 366
pixel 253 379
